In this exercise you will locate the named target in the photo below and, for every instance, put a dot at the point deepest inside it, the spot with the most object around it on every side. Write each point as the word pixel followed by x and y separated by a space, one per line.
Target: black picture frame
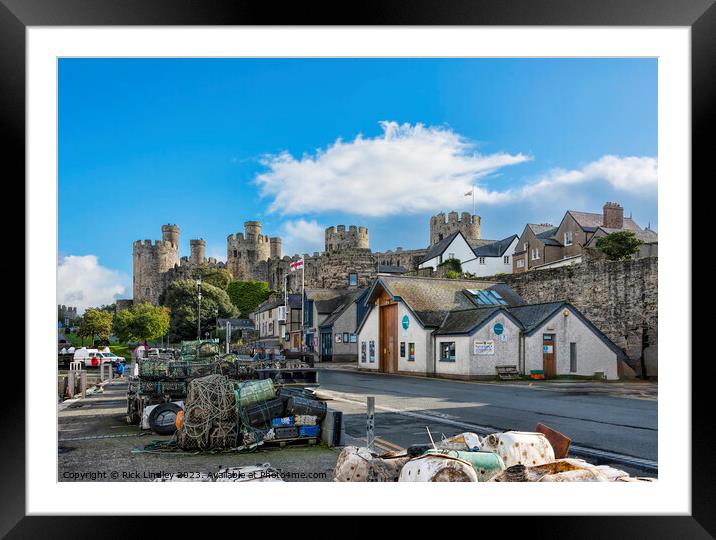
pixel 17 15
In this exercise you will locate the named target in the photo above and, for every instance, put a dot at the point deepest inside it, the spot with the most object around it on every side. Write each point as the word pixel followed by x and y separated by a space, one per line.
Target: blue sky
pixel 208 144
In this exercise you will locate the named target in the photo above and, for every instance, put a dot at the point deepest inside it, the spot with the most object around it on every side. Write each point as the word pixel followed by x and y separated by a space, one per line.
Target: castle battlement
pixel 339 239
pixel 442 226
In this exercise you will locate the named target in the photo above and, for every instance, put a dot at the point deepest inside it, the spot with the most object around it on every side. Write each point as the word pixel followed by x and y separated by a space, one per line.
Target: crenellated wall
pixel 339 239
pixel 442 227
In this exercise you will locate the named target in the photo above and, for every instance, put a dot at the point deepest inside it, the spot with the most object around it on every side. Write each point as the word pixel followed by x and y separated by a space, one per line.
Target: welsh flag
pixel 296 265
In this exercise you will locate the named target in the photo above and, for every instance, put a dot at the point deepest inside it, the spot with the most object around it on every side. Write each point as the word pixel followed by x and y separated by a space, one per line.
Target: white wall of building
pixel 593 354
pixel 459 248
pixel 415 333
pixel 369 332
pixel 467 363
pixel 492 265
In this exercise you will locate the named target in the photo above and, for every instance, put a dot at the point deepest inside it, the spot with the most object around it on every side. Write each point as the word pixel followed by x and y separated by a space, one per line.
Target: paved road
pixel 405 405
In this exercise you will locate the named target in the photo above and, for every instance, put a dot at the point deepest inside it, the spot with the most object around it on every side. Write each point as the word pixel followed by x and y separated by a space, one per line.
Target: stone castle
pixel 346 261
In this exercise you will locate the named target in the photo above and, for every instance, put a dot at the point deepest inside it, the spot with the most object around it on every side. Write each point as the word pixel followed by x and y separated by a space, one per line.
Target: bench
pixel 507 373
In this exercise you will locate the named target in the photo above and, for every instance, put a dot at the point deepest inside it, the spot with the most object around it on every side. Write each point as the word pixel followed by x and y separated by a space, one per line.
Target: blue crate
pixel 281 422
pixel 309 431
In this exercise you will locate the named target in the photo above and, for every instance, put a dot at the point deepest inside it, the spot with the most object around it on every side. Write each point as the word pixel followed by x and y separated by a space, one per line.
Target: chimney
pixel 613 216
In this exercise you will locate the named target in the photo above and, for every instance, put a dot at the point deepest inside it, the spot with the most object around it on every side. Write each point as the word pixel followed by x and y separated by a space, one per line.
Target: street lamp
pixel 198 318
pixel 216 322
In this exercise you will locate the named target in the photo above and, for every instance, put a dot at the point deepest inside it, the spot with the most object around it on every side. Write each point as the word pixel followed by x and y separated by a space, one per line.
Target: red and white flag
pixel 296 265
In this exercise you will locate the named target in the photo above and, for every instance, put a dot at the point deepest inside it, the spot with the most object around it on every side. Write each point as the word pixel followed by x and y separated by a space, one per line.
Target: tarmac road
pixel 601 416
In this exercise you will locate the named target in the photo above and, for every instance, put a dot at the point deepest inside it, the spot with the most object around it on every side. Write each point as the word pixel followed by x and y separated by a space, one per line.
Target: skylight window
pixel 487 298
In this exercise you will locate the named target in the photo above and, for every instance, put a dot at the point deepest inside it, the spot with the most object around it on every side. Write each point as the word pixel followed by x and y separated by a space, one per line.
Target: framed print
pixel 479 189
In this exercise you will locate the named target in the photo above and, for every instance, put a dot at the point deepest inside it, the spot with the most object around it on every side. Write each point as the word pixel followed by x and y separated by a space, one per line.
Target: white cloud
pixel 83 282
pixel 301 236
pixel 414 168
pixel 406 169
pixel 629 174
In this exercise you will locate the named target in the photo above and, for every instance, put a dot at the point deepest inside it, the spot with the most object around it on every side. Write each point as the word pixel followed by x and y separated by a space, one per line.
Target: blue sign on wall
pixel 406 322
pixel 498 328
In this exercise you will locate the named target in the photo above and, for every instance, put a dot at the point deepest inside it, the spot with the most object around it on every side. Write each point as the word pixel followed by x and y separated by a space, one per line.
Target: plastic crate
pixel 282 422
pixel 309 431
pixel 286 432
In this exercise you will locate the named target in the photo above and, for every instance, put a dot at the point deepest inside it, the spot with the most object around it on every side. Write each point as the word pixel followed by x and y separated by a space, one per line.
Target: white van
pixel 93 357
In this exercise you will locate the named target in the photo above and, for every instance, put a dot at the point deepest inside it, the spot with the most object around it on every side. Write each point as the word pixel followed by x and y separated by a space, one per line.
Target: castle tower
pixel 244 251
pixel 197 251
pixel 338 239
pixel 275 247
pixel 151 261
pixel 440 227
pixel 170 234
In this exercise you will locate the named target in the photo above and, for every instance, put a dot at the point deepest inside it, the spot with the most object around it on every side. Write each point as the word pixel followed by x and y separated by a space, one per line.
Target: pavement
pixel 96 444
pixel 609 423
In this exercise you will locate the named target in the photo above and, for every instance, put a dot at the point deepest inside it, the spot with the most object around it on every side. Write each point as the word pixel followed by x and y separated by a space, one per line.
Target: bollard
pixel 83 383
pixel 71 383
pixel 370 417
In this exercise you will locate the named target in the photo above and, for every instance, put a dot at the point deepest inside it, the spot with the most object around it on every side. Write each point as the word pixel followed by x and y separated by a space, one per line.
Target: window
pixel 346 337
pixel 520 263
pixel 482 260
pixel 447 351
pixel 525 246
pixel 568 238
pixel 146 292
pixel 353 279
pixel 487 298
pixel 506 259
pixel 411 352
pixel 535 253
pixel 451 255
pixel 573 357
pixel 402 349
pixel 236 253
pixel 362 351
pixel 372 352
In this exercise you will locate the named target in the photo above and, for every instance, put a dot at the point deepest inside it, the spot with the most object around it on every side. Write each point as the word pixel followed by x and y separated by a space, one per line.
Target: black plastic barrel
pixel 261 414
pixel 298 405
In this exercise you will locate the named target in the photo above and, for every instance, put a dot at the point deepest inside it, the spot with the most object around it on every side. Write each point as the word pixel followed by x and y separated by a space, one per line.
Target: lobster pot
pixel 152 369
pixel 486 464
pixel 299 406
pixel 199 369
pixel 262 414
pixel 437 468
pixel 149 387
pixel 250 392
pixel 519 448
pixel 172 387
pixel 176 370
pixel 223 435
pixel 285 392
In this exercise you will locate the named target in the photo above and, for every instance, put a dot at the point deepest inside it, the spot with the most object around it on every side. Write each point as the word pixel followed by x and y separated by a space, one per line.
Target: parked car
pixel 93 357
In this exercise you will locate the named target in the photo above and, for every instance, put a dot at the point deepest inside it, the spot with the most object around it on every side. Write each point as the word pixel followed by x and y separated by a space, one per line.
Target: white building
pixel 486 259
pixel 465 329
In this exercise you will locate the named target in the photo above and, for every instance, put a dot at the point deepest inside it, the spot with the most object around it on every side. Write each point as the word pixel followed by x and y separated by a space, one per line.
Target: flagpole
pixel 303 282
pixel 473 199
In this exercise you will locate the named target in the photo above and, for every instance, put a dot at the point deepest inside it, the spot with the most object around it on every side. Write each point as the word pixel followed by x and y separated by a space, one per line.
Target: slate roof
pixel 430 299
pixel 346 301
pixel 237 324
pixel 294 301
pixel 495 249
pixel 466 320
pixel 531 316
pixel 547 237
pixel 645 235
pixel 437 249
pixel 590 221
pixel 539 228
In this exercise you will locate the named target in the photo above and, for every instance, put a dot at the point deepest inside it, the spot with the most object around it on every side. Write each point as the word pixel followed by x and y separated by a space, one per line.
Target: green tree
pixel 619 246
pixel 182 300
pixel 247 295
pixel 218 277
pixel 95 322
pixel 141 322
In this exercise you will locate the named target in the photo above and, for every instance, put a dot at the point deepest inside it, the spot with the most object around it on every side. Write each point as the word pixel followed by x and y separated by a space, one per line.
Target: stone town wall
pixel 618 297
